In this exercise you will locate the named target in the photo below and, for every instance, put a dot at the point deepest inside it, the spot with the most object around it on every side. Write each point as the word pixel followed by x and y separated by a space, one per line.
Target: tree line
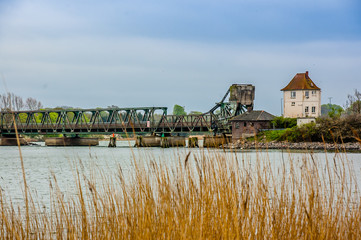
pixel 13 102
pixel 352 106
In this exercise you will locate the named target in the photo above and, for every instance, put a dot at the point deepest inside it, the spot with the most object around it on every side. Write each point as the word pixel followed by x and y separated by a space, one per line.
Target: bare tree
pixel 4 102
pixel 10 101
pixel 18 103
pixel 353 103
pixel 32 104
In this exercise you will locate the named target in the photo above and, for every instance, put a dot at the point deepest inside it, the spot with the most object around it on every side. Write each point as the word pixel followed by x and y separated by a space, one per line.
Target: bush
pixel 272 135
pixel 346 129
pixel 282 122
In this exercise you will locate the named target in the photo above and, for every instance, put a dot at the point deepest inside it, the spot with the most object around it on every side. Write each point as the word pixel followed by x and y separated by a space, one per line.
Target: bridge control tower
pixel 243 95
pixel 241 98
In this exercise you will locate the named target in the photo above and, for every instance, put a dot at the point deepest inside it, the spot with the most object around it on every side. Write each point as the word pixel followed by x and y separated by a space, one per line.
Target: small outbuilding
pixel 248 124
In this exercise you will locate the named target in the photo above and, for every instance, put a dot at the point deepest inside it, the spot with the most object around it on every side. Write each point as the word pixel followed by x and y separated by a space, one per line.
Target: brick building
pixel 249 123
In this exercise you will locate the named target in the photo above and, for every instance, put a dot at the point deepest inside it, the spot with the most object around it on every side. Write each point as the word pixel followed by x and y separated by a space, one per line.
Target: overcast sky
pixel 159 53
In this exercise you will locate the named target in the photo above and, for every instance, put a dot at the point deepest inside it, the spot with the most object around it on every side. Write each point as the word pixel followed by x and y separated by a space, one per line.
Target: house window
pixel 293 94
pixel 307 94
pixel 313 93
pixel 244 124
pixel 306 109
pixel 237 125
pixel 313 109
pixel 293 103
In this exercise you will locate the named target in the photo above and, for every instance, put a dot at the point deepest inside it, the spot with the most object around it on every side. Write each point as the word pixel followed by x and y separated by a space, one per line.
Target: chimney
pixel 307 74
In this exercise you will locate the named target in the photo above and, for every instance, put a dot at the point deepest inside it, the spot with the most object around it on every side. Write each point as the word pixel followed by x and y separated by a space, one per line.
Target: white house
pixel 301 98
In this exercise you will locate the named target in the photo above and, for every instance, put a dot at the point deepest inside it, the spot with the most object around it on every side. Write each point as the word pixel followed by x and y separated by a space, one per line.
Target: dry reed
pixel 208 195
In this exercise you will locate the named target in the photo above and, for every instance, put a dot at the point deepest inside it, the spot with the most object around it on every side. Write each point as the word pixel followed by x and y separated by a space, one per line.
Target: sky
pixel 136 53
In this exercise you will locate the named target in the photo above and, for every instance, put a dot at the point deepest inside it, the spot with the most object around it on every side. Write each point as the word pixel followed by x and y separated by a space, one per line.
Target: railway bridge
pixel 144 121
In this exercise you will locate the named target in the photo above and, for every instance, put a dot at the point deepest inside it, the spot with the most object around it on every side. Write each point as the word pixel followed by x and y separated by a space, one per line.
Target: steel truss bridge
pixel 145 120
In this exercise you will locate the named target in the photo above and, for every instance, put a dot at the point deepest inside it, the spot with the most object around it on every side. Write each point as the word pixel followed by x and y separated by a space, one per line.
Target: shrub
pixel 282 122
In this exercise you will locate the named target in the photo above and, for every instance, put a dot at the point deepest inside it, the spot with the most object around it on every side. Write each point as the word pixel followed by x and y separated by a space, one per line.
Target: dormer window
pixel 293 94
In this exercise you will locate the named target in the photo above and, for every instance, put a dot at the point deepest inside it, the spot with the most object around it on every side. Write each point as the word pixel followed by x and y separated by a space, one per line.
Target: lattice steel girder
pixel 144 119
pixel 81 120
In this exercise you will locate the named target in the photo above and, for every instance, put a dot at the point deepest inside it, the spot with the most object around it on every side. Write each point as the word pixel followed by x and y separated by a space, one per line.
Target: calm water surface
pixel 42 162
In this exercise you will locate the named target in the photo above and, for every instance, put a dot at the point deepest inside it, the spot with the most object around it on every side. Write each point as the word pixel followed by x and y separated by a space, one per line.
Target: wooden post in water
pixel 112 141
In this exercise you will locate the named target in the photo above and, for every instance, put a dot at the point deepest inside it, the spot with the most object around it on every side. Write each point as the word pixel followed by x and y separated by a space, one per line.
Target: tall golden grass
pixel 206 195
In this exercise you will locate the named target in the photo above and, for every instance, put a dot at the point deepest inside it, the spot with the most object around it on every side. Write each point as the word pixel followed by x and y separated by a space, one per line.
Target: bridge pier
pixel 215 141
pixel 12 141
pixel 148 141
pixel 71 141
pixel 173 141
pixel 193 142
pixel 164 142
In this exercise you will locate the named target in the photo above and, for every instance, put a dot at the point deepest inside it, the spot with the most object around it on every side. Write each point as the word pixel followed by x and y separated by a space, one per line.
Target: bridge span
pixel 141 121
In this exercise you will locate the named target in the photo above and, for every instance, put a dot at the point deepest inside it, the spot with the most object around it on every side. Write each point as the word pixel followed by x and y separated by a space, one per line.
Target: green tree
pixel 332 110
pixel 326 108
pixel 179 110
pixel 282 122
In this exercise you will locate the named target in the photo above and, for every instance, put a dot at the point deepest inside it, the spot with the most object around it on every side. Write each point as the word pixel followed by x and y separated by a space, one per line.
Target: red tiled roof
pixel 301 82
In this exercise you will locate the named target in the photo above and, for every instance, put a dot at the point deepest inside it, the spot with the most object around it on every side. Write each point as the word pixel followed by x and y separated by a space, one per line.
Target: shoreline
pixel 351 146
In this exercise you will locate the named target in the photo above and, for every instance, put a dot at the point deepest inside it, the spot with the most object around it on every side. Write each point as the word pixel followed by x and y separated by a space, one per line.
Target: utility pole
pixel 330 101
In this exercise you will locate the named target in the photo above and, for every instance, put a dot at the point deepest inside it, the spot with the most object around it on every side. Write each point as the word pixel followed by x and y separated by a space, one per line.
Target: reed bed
pixel 204 195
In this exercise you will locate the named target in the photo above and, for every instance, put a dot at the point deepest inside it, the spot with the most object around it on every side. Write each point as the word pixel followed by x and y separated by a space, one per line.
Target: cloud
pixel 226 21
pixel 161 53
pixel 156 72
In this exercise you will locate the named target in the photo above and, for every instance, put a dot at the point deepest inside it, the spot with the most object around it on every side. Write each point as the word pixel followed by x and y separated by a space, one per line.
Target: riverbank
pixel 351 146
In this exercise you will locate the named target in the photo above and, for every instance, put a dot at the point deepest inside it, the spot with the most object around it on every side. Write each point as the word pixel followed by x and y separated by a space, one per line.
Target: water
pixel 41 163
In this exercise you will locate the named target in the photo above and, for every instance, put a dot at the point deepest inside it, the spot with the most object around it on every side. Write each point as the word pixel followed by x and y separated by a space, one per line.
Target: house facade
pixel 301 98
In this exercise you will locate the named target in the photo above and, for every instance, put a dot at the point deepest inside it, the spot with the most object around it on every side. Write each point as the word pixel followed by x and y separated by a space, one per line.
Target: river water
pixel 42 163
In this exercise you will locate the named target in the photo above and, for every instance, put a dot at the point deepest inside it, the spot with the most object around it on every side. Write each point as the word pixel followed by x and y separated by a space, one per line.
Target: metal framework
pixel 103 121
pixel 120 120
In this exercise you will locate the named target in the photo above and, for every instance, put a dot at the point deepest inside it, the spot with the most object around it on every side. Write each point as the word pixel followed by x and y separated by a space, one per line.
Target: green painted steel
pixel 108 121
pixel 126 120
pixel 81 121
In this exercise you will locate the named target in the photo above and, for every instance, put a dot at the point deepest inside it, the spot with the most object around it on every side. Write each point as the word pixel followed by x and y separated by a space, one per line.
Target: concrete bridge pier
pixel 10 140
pixel 173 141
pixel 148 141
pixel 164 142
pixel 71 141
pixel 216 141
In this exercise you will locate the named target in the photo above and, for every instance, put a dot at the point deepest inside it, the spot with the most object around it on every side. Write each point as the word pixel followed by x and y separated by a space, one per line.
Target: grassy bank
pixel 206 196
pixel 330 130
